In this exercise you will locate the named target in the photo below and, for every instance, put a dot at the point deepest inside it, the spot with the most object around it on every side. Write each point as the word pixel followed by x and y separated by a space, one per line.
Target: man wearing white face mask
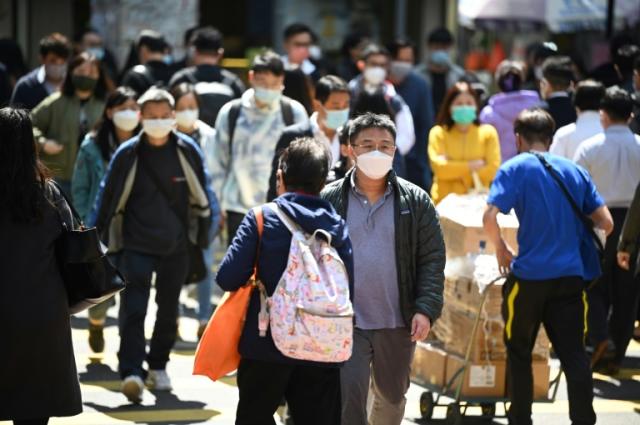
pixel 155 207
pixel 247 131
pixel 374 64
pixel 399 259
pixel 331 106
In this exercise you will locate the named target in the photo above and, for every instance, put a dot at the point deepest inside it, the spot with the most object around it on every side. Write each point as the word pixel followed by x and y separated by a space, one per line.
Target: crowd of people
pixel 167 156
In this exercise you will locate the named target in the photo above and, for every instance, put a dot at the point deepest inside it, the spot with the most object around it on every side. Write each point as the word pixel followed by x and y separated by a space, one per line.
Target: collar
pixel 588 117
pixel 41 74
pixel 306 66
pixel 354 187
pixel 558 94
pixel 618 128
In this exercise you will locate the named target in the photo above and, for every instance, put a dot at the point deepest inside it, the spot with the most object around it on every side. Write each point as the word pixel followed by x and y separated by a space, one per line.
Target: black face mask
pixel 83 83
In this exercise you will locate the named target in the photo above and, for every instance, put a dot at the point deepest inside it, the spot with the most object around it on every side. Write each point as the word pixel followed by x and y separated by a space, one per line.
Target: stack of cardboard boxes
pixel 467 275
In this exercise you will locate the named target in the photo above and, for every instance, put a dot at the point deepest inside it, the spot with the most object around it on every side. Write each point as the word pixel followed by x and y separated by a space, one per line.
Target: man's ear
pixel 360 64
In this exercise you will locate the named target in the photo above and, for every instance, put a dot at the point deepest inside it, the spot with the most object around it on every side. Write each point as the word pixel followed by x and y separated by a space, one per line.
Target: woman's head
pixel 22 176
pixel 460 106
pixel 509 76
pixel 85 78
pixel 121 112
pixel 187 106
pixel 303 167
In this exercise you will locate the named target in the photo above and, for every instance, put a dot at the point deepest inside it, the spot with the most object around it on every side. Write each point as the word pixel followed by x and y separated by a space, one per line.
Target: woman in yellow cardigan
pixel 460 146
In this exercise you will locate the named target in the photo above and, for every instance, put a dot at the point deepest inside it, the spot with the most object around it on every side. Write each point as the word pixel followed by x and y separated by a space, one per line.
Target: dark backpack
pixel 213 95
pixel 285 107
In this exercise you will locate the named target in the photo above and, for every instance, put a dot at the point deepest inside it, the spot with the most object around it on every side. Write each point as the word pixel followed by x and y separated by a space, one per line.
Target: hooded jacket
pixel 501 112
pixel 310 213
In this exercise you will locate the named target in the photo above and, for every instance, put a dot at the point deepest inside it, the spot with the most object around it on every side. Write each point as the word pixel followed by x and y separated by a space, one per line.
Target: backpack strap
pixel 232 119
pixel 287 111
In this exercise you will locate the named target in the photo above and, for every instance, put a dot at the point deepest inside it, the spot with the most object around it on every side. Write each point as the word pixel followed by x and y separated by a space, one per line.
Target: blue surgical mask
pixel 168 59
pixel 267 96
pixel 336 118
pixel 98 52
pixel 440 58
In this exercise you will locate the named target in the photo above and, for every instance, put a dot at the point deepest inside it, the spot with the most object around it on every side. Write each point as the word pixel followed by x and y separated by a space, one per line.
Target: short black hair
pixel 400 43
pixel 625 57
pixel 373 49
pixel 156 95
pixel 183 89
pixel 295 29
pixel 330 84
pixel 535 125
pixel 617 103
pixel 207 40
pixel 343 133
pixel 268 61
pixel 152 40
pixel 57 44
pixel 558 72
pixel 370 120
pixel 305 165
pixel 440 36
pixel 588 95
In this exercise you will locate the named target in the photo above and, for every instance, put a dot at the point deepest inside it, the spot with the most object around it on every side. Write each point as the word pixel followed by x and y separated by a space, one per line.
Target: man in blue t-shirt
pixel 555 258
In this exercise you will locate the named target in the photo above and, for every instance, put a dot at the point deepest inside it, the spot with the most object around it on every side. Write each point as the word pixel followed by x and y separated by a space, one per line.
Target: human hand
pixel 623 260
pixel 476 164
pixel 51 147
pixel 420 327
pixel 505 255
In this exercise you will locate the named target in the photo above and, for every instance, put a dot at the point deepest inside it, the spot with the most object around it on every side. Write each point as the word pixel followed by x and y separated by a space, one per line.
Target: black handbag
pixel 197 267
pixel 89 276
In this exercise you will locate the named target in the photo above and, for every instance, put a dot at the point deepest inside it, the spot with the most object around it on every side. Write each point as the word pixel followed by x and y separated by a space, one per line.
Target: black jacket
pixel 141 77
pixel 289 134
pixel 562 110
pixel 209 74
pixel 420 252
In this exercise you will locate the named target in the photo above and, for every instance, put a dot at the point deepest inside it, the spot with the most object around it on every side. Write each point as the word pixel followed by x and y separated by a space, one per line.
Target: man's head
pixel 557 75
pixel 332 101
pixel 374 64
pixel 372 144
pixel 588 95
pixel 624 59
pixel 509 76
pixel 298 38
pixel 151 46
pixel 533 129
pixel 403 57
pixel 207 46
pixel 267 77
pixel 303 167
pixel 157 114
pixel 439 44
pixel 55 50
pixel 616 107
pixel 91 41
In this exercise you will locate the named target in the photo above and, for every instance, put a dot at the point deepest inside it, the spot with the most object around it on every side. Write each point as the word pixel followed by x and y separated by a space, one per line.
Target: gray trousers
pixel 381 359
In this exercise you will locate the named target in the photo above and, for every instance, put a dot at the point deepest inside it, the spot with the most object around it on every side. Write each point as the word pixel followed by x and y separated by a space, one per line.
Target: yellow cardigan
pixel 450 152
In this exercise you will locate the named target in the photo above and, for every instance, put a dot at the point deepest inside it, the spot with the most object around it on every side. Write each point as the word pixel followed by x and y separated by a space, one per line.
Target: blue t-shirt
pixel 552 241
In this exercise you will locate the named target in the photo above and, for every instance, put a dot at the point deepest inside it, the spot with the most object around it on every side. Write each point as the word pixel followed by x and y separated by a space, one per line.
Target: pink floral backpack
pixel 310 312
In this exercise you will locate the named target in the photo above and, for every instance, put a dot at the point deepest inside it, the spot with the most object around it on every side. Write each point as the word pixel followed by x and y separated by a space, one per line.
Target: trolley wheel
pixel 426 405
pixel 488 410
pixel 454 415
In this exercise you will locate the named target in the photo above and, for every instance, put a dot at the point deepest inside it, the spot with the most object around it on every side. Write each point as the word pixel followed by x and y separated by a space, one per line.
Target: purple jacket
pixel 501 112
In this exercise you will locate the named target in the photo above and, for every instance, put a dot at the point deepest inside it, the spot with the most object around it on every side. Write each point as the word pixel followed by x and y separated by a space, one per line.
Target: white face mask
pixel 158 128
pixel 126 120
pixel 187 118
pixel 374 164
pixel 375 75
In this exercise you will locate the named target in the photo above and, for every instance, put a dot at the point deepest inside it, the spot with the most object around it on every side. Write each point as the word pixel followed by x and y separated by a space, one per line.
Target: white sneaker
pixel 159 380
pixel 132 387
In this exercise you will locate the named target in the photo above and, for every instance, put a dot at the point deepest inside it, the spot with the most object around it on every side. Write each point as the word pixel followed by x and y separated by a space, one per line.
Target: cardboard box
pixel 481 379
pixel 461 221
pixel 429 365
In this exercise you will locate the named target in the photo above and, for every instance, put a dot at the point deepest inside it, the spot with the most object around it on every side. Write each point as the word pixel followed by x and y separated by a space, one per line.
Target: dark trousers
pixel 312 393
pixel 559 304
pixel 43 421
pixel 613 300
pixel 233 222
pixel 170 274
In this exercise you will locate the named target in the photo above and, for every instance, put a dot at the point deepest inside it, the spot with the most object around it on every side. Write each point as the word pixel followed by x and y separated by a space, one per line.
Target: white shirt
pixel 333 144
pixel 568 138
pixel 405 133
pixel 613 160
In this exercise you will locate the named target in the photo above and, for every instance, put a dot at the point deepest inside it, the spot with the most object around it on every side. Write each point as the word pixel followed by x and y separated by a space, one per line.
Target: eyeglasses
pixel 383 147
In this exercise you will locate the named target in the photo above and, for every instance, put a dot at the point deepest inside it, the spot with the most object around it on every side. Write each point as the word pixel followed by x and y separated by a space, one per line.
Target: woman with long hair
pixel 62 120
pixel 37 364
pixel 463 152
pixel 120 122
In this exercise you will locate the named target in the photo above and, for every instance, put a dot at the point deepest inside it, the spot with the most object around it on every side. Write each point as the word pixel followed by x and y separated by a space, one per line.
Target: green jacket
pixel 58 118
pixel 420 253
pixel 88 172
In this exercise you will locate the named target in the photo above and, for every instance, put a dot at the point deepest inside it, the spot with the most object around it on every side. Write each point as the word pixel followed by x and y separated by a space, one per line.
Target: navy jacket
pixel 310 213
pixel 29 92
pixel 562 110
